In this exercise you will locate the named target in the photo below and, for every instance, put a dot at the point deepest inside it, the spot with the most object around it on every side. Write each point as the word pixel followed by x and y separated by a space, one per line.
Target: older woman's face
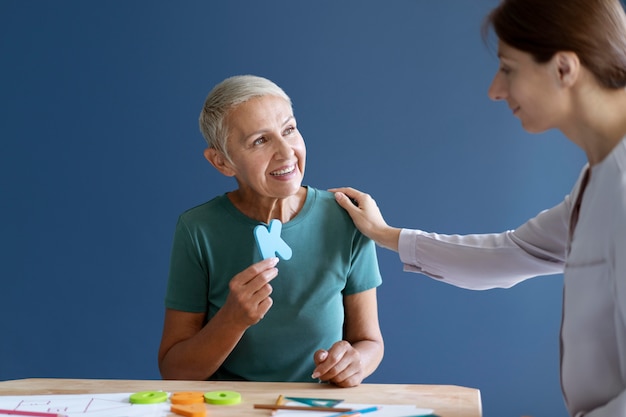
pixel 267 151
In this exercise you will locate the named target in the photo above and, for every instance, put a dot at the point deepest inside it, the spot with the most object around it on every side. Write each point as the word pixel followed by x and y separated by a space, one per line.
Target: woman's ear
pixel 568 66
pixel 219 161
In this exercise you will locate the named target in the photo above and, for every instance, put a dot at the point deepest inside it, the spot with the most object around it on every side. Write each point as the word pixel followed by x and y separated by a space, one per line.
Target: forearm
pixel 386 237
pixel 200 356
pixel 362 332
pixel 371 352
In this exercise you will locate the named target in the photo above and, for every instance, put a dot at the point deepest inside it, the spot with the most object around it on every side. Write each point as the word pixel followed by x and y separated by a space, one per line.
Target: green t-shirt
pixel 331 258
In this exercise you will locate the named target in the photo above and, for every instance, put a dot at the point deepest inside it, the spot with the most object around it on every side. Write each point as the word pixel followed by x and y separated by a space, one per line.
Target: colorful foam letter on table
pixel 187 397
pixel 222 397
pixel 189 410
pixel 269 241
pixel 148 397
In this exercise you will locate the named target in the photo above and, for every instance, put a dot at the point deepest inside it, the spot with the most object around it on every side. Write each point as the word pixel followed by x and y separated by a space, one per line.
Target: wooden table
pixel 446 400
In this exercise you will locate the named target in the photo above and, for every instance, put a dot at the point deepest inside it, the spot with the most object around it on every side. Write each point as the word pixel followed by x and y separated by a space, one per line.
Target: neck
pixel 265 209
pixel 598 120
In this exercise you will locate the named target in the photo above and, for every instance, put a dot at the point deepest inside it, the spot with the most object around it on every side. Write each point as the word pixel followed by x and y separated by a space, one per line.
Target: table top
pixel 446 400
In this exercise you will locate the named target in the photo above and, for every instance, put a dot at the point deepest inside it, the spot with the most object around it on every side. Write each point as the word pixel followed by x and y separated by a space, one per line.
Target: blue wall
pixel 100 152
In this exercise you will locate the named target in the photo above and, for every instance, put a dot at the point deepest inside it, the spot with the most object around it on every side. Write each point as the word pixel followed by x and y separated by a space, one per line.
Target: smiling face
pixel 267 152
pixel 532 91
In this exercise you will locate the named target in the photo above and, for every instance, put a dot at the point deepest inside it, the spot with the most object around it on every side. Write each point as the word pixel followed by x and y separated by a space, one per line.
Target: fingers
pixel 340 365
pixel 366 215
pixel 319 357
pixel 256 277
pixel 349 191
pixel 354 201
pixel 249 298
pixel 355 196
pixel 349 204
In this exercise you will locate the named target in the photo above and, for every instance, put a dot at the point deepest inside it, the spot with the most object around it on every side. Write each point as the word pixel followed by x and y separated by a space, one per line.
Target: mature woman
pixel 321 320
pixel 562 66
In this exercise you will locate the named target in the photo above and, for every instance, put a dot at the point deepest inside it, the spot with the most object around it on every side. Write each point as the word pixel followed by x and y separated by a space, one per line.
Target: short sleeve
pixel 364 273
pixel 188 281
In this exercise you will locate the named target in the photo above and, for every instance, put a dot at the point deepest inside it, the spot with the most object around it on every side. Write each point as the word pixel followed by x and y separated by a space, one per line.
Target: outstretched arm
pixel 477 261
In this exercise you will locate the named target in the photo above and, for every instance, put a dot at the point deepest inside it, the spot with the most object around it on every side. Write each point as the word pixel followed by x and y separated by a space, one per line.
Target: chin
pixel 536 131
pixel 533 128
pixel 290 189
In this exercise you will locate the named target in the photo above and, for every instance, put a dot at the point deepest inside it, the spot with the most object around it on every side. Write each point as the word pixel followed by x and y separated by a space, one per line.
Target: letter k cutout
pixel 269 241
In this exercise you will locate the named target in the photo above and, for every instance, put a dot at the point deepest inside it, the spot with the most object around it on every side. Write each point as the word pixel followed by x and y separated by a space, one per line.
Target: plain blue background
pixel 100 152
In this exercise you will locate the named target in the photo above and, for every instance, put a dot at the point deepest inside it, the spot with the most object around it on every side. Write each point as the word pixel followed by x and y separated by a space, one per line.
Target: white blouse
pixel 593 261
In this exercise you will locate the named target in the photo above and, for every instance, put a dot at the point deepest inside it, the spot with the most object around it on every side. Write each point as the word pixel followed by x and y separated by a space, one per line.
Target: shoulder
pixel 322 195
pixel 205 211
pixel 621 201
pixel 325 201
pixel 620 155
pixel 616 171
pixel 614 182
pixel 322 210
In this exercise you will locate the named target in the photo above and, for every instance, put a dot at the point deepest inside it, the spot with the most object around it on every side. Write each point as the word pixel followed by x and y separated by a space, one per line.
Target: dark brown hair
pixel 593 29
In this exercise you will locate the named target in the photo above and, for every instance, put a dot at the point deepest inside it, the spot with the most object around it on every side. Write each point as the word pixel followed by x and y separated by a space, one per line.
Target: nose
pixel 497 90
pixel 283 148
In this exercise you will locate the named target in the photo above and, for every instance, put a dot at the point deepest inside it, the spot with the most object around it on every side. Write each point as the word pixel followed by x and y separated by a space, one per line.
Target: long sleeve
pixel 616 356
pixel 591 254
pixel 484 261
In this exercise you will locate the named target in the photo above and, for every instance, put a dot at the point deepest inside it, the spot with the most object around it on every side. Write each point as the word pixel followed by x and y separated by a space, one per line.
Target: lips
pixel 284 171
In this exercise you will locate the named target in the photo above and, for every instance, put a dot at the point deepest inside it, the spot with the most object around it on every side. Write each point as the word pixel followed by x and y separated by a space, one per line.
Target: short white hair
pixel 227 95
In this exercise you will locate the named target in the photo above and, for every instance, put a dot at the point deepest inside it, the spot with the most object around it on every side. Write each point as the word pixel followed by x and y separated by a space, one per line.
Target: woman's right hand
pixel 249 298
pixel 367 216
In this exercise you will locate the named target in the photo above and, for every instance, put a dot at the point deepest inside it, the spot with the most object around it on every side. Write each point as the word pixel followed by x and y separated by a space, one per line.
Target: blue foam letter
pixel 269 241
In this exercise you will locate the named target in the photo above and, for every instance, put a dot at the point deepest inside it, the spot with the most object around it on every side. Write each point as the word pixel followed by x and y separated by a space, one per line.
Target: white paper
pixel 118 405
pixel 92 405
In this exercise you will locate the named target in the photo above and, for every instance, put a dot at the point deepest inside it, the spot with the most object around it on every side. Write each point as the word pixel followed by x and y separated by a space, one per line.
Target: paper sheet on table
pixel 118 405
pixel 385 410
pixel 90 405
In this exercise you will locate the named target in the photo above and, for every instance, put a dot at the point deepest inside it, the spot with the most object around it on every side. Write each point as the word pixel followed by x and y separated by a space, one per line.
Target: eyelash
pixel 262 139
pixel 258 141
